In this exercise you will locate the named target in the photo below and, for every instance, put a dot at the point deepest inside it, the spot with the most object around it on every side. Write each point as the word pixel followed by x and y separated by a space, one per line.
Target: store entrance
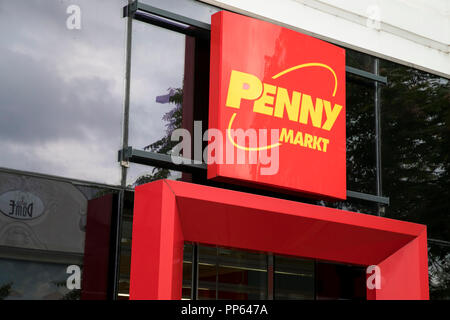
pixel 168 214
pixel 211 273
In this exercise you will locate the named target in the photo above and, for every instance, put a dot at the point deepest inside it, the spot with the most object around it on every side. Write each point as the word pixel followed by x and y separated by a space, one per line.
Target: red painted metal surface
pixel 96 249
pixel 264 76
pixel 167 213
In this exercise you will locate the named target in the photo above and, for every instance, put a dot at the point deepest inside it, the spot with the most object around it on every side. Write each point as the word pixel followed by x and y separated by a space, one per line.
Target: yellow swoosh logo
pixel 246 148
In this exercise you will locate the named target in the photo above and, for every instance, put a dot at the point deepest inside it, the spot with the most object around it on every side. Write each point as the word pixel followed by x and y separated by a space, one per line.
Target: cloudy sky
pixel 62 91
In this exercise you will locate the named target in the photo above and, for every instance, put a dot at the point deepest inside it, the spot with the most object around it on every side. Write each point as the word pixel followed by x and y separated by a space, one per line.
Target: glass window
pixel 187 271
pixel 49 231
pixel 207 273
pixel 156 95
pixel 353 205
pixel 139 174
pixel 61 92
pixel 225 273
pixel 359 60
pixel 25 280
pixel 293 278
pixel 156 86
pixel 231 274
pixel 439 270
pixel 361 147
pixel 242 275
pixel 415 123
pixel 340 282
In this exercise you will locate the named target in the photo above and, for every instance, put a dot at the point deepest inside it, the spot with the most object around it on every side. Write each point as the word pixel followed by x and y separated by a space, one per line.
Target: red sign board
pixel 277 102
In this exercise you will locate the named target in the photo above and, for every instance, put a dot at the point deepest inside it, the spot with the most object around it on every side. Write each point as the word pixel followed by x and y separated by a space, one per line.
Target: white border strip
pixel 350 30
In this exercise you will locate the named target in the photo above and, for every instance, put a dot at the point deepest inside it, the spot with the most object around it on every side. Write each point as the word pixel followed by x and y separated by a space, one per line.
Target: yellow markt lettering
pixel 325 144
pixel 304 140
pixel 299 139
pixel 316 143
pixel 286 136
pixel 308 140
pixel 242 86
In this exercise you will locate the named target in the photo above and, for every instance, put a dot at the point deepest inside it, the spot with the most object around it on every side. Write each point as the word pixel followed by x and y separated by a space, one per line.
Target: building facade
pixel 91 92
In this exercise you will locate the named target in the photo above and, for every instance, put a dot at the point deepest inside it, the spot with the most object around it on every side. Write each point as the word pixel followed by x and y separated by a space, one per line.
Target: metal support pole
pixel 378 137
pixel 194 284
pixel 123 162
pixel 270 276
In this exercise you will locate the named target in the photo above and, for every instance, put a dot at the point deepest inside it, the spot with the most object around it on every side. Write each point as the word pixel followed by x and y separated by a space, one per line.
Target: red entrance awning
pixel 168 213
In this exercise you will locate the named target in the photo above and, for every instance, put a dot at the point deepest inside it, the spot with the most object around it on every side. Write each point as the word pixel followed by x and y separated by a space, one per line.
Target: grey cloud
pixel 53 90
pixel 37 105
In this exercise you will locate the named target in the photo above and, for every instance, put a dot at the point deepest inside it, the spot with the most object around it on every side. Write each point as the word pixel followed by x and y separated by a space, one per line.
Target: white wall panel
pixel 413 32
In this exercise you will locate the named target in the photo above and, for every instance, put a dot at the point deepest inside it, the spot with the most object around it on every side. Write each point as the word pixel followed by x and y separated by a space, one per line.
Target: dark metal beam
pixel 365 74
pixel 165 161
pixel 368 197
pixel 130 9
pixel 160 160
pixel 172 16
pixel 439 242
pixel 137 7
pixel 146 13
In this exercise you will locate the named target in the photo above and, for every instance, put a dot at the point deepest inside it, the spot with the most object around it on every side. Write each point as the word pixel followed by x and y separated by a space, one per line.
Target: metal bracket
pixel 161 160
pixel 130 10
pixel 366 75
pixel 368 197
pixel 165 161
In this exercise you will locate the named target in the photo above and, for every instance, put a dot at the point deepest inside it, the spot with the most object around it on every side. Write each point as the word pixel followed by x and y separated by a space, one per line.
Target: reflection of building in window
pixel 36 248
